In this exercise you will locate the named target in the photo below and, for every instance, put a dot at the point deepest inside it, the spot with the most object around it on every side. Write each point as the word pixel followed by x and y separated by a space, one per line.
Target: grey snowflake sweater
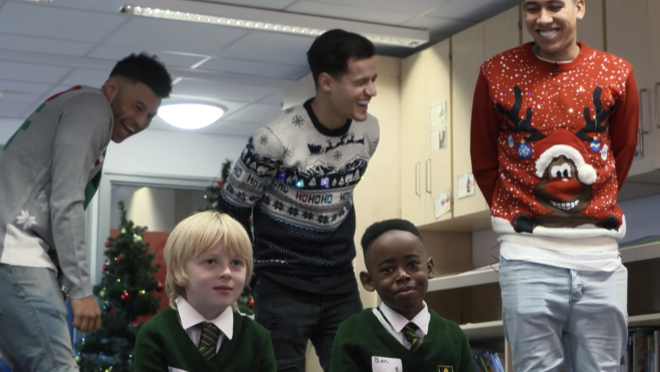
pixel 49 171
pixel 297 177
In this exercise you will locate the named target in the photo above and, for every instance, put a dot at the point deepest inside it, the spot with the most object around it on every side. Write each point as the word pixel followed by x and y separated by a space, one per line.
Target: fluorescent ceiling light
pixel 272 21
pixel 190 115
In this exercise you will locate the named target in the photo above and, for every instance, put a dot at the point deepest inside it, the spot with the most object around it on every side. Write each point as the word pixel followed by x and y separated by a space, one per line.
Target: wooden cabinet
pixel 425 173
pixel 628 36
pixel 471 48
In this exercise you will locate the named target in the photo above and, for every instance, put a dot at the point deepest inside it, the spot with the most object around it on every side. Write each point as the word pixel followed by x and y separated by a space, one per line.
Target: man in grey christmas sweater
pixel 296 178
pixel 49 171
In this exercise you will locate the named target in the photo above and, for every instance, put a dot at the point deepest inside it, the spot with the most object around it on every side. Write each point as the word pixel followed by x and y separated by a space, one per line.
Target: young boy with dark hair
pixel 402 333
pixel 296 178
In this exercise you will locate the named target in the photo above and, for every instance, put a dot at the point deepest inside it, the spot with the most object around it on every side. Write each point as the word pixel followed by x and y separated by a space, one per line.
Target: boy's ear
pixel 430 267
pixel 367 281
pixel 177 280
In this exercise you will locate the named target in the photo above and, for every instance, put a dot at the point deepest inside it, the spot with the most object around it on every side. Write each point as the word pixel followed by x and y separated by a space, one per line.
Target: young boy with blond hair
pixel 209 260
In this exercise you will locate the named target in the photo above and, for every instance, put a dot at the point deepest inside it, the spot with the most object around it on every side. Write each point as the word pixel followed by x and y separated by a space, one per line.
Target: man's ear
pixel 325 82
pixel 430 267
pixel 111 88
pixel 367 281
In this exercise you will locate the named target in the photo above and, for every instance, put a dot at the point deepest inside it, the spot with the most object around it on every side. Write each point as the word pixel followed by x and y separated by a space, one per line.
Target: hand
pixel 86 314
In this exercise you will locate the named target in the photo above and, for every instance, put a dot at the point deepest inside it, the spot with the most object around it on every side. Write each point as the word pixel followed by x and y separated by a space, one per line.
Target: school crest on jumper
pixel 445 369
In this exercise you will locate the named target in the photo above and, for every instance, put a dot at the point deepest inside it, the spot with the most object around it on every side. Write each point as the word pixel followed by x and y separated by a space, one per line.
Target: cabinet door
pixel 589 29
pixel 467 57
pixel 439 162
pixel 628 28
pixel 414 120
pixel 654 50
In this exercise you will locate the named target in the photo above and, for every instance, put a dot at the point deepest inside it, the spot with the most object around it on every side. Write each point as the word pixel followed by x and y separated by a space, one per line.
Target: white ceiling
pixel 48 47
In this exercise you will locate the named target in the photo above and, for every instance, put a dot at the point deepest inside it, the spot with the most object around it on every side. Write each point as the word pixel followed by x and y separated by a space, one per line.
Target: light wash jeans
pixel 554 316
pixel 33 330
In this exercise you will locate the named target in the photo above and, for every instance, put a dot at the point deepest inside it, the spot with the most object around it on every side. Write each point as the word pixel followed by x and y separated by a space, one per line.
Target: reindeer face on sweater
pixel 560 190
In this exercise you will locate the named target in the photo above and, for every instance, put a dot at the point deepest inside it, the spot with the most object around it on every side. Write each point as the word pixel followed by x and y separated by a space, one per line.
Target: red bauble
pixel 125 296
pixel 120 257
pixel 107 244
pixel 251 303
pixel 105 267
pixel 159 287
pixel 220 184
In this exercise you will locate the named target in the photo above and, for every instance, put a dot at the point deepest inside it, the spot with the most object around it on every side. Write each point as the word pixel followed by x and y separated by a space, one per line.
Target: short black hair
pixel 147 70
pixel 374 231
pixel 331 51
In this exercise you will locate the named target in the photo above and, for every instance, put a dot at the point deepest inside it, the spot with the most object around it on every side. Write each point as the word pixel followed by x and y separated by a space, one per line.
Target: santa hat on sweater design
pixel 563 142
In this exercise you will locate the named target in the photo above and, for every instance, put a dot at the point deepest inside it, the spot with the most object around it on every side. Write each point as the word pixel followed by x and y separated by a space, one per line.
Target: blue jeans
pixel 34 336
pixel 554 316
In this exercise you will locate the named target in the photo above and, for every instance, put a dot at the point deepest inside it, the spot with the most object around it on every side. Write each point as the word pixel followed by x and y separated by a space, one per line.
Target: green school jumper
pixel 163 345
pixel 362 338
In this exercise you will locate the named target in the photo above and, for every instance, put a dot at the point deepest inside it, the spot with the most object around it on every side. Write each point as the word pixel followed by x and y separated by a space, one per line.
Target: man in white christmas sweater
pixel 49 171
pixel 296 178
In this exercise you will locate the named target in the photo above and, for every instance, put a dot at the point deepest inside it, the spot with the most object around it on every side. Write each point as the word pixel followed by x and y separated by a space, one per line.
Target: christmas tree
pixel 245 301
pixel 125 294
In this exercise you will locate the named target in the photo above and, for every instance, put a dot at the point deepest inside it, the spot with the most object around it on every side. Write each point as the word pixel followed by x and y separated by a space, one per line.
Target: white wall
pixel 642 217
pixel 152 207
pixel 173 153
pixel 7 128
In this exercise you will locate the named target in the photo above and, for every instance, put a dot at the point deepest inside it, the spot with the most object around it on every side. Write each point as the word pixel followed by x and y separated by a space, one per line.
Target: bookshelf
pixel 488 275
pixel 472 297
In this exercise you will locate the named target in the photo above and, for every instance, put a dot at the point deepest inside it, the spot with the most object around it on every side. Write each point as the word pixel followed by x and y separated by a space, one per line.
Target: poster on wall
pixel 442 203
pixel 439 138
pixel 466 185
pixel 438 113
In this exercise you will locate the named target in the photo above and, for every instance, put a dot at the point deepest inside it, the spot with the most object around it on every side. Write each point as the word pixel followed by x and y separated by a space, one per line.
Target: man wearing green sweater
pixel 402 334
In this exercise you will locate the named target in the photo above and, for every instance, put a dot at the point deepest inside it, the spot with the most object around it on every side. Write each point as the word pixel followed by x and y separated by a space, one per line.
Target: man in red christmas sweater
pixel 554 132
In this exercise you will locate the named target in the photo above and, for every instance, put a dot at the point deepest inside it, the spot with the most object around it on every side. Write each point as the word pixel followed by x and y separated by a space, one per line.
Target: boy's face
pixel 399 270
pixel 352 92
pixel 215 280
pixel 553 23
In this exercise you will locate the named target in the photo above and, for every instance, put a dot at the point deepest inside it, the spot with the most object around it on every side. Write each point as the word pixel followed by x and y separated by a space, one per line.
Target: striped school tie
pixel 408 332
pixel 208 340
pixel 411 336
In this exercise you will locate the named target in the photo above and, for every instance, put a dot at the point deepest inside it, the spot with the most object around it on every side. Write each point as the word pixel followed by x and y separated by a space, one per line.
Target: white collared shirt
pixel 398 322
pixel 189 318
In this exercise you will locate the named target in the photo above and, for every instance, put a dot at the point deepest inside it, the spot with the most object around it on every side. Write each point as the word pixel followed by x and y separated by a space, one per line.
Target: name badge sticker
pixel 383 364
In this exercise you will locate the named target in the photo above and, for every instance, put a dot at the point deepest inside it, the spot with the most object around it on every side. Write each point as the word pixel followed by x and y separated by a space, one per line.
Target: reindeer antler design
pixel 520 125
pixel 600 123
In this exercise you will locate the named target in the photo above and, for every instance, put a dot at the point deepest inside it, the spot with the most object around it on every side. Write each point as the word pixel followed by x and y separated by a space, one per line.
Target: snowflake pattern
pixel 278 205
pixel 263 140
pixel 241 195
pixel 298 121
pixel 293 212
pixel 287 152
pixel 26 220
pixel 337 155
pixel 266 200
pixel 308 216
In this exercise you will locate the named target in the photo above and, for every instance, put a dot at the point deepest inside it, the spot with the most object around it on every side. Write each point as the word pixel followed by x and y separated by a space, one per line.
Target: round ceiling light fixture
pixel 190 115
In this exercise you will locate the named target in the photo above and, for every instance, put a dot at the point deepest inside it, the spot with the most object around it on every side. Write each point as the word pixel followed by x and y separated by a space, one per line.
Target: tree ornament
pixel 107 308
pixel 125 296
pixel 78 359
pixel 138 238
pixel 103 294
pixel 159 287
pixel 107 244
pixel 120 257
pixel 251 303
pixel 105 267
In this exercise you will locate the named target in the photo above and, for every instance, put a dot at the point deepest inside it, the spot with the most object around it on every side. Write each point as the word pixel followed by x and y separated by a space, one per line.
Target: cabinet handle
pixel 417 191
pixel 642 111
pixel 429 182
pixel 656 91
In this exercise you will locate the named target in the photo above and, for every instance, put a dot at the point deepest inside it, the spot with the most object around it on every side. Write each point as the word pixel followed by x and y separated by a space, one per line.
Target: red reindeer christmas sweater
pixel 552 144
